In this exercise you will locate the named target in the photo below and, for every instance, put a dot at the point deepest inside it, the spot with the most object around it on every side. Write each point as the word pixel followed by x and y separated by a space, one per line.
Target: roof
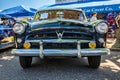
pixel 59 8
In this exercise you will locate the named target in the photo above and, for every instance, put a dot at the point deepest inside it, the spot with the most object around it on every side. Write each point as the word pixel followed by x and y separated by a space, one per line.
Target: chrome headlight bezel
pixel 102 28
pixel 19 28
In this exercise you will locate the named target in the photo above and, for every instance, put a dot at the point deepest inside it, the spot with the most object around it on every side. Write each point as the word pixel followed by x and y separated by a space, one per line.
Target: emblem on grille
pixel 59 35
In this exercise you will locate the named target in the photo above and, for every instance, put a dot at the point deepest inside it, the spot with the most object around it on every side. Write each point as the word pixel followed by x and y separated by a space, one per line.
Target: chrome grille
pixel 65 36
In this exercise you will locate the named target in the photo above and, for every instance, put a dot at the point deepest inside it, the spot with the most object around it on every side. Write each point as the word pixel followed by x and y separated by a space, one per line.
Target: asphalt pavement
pixel 59 69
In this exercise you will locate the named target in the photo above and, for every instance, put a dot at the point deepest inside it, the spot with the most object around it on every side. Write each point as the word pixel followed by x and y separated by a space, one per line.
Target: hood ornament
pixel 59 35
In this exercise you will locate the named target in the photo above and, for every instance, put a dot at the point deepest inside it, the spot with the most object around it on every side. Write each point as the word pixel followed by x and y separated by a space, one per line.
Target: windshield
pixel 66 14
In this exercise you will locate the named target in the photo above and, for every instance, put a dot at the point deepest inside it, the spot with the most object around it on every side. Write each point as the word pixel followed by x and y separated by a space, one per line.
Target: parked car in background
pixel 6 32
pixel 60 32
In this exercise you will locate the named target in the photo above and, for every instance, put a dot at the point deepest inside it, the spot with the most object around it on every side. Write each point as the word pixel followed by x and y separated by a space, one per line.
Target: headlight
pixel 102 28
pixel 18 28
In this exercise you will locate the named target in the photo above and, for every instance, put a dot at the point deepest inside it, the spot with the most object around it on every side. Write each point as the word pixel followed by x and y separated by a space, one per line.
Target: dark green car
pixel 60 32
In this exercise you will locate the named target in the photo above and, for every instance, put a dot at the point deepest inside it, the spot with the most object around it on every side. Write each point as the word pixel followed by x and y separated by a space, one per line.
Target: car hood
pixel 58 23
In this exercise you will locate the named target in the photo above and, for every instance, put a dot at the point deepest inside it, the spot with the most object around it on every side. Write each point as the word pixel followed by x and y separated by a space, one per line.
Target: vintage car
pixel 6 32
pixel 60 32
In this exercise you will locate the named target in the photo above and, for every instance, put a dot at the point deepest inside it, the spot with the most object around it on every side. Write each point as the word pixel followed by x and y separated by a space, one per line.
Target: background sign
pixel 102 9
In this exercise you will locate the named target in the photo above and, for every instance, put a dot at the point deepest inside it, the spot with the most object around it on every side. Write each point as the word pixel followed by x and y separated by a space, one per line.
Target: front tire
pixel 25 61
pixel 94 61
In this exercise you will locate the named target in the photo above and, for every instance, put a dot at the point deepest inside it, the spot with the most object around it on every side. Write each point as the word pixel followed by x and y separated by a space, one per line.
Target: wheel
pixel 94 61
pixel 25 61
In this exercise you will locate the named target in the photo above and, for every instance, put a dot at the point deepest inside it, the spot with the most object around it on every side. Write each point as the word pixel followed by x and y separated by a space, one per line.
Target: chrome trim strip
pixel 56 40
pixel 61 52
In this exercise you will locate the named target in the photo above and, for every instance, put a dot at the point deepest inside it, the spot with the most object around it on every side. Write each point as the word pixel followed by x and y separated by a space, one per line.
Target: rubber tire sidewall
pixel 25 61
pixel 94 61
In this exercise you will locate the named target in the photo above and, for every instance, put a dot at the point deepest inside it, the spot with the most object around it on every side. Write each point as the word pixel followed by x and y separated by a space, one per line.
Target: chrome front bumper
pixel 61 52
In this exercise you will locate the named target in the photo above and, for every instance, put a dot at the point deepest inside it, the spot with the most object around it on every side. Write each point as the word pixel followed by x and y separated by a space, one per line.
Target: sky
pixel 4 4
